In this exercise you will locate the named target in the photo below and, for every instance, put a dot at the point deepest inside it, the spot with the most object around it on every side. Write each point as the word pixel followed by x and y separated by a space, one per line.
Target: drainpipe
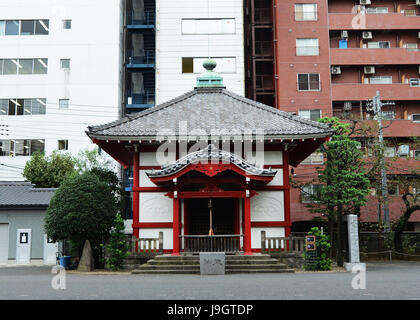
pixel 276 77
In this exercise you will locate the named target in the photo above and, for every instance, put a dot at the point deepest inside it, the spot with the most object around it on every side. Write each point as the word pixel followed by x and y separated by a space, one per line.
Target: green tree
pixel 82 208
pixel 48 172
pixel 117 247
pixel 345 186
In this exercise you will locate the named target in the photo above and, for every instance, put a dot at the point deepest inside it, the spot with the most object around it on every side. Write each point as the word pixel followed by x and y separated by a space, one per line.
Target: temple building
pixel 210 167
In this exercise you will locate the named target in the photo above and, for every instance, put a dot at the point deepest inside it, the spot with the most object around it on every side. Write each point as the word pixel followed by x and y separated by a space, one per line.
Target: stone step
pixel 260 271
pixel 169 267
pixel 164 271
pixel 197 261
pixel 256 266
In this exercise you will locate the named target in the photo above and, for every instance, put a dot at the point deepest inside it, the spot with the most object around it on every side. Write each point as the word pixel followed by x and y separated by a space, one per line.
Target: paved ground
pixel 400 280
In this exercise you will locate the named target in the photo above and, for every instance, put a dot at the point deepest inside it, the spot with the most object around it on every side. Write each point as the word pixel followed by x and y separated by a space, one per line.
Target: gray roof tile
pixel 210 109
pixel 16 193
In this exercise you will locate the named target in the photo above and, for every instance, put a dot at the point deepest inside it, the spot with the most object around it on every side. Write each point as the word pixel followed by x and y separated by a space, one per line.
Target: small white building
pixel 60 70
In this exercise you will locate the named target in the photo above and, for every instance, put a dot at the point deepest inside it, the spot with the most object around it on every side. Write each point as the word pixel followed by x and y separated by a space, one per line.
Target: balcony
pixel 264 49
pixel 388 21
pixel 140 100
pixel 264 82
pixel 263 16
pixel 145 21
pixel 360 91
pixel 366 56
pixel 141 60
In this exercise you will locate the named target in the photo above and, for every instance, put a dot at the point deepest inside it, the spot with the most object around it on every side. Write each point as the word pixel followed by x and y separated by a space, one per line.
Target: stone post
pixel 353 237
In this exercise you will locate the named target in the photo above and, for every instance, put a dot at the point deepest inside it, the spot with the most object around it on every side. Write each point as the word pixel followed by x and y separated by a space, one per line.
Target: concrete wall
pixel 25 219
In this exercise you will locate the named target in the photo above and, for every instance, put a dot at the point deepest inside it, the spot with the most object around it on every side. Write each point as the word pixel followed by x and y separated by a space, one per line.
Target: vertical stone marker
pixel 353 234
pixel 212 263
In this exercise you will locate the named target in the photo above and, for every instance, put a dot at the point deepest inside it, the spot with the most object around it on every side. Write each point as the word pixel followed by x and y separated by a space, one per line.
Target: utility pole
pixel 376 107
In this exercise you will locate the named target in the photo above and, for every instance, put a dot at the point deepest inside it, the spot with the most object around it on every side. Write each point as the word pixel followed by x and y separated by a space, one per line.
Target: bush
pixel 323 245
pixel 117 248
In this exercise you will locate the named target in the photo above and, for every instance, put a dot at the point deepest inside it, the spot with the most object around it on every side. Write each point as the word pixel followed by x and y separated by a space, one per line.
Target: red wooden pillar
pixel 136 195
pixel 247 226
pixel 176 224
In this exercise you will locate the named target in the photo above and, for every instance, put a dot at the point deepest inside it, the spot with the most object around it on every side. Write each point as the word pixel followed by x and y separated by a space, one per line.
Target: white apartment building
pixel 189 31
pixel 60 71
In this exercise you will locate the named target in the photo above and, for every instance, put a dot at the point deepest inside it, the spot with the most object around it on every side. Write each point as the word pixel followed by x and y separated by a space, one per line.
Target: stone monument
pixel 86 263
pixel 212 263
pixel 353 234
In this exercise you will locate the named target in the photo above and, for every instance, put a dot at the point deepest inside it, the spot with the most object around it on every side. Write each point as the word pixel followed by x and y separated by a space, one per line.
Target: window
pixel 12 28
pixel 4 104
pixel 63 144
pixel 389 152
pixel 21 147
pixel 10 66
pixel 2 27
pixel 417 154
pixel 380 80
pixel 66 24
pixel 310 192
pixel 307 47
pixel 378 44
pixel 195 65
pixel 27 27
pixel 63 104
pixel 388 115
pixel 306 12
pixel 42 27
pixel 65 63
pixel 374 10
pixel 310 114
pixel 308 82
pixel 16 107
pixel 208 26
pixel 316 157
pixel 416 117
pixel 40 66
pixel 26 66
pixel 393 189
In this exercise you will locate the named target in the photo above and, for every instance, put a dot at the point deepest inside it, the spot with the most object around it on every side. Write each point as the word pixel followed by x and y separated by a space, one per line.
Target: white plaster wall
pixel 155 207
pixel 154 159
pixel 278 179
pixel 92 84
pixel 267 206
pixel 172 45
pixel 144 180
pixel 154 233
pixel 269 232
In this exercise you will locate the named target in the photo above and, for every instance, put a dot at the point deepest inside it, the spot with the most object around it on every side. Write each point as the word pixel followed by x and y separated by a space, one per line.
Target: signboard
pixel 310 243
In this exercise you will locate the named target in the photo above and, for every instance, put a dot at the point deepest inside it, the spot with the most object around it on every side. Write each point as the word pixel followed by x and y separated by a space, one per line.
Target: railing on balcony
pixel 282 244
pixel 141 98
pixel 146 245
pixel 217 243
pixel 264 48
pixel 263 16
pixel 264 82
pixel 143 57
pixel 148 18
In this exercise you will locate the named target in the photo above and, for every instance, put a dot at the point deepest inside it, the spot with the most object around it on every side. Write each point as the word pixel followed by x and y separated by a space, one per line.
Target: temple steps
pixel 167 264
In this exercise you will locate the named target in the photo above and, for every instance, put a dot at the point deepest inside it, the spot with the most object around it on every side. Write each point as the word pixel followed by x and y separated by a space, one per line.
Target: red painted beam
pixel 146 225
pixel 247 226
pixel 256 224
pixel 176 227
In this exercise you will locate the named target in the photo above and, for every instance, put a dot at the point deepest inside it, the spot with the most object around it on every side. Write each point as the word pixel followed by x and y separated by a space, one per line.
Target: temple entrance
pixel 223 214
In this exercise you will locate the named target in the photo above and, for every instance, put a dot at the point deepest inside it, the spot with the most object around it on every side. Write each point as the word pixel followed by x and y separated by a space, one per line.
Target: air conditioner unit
pixel 367 35
pixel 364 2
pixel 344 34
pixel 404 150
pixel 347 106
pixel 335 70
pixel 369 70
pixel 414 82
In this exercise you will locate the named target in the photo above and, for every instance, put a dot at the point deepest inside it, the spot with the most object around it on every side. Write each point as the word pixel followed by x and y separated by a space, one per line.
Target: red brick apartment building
pixel 322 58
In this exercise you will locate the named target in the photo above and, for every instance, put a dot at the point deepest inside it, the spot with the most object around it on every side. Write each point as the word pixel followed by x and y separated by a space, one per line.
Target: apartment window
pixel 10 66
pixel 415 117
pixel 26 66
pixel 40 66
pixel 393 189
pixel 380 80
pixel 63 104
pixel 306 12
pixel 208 26
pixel 65 63
pixel 375 10
pixel 316 157
pixel 307 47
pixel 308 82
pixel 21 147
pixel 63 144
pixel 42 27
pixel 417 154
pixel 12 28
pixel 310 192
pixel 23 66
pixel 378 44
pixel 314 114
pixel 66 24
pixel 27 27
pixel 389 152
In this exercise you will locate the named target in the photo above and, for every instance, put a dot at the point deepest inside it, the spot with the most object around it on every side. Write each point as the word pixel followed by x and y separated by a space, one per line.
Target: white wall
pixel 92 84
pixel 172 45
